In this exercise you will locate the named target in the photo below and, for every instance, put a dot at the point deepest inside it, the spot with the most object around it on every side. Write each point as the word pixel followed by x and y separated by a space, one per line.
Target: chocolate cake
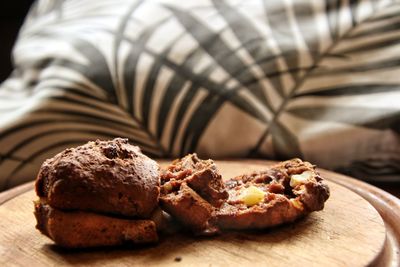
pixel 79 229
pixel 110 177
pixel 191 190
pixel 107 193
pixel 98 194
pixel 280 194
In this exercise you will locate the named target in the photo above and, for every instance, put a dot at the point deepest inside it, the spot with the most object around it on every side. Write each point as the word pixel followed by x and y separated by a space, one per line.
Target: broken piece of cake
pixel 280 194
pixel 191 190
pixel 103 193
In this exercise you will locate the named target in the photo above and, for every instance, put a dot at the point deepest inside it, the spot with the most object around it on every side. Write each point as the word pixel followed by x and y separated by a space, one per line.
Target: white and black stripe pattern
pixel 272 79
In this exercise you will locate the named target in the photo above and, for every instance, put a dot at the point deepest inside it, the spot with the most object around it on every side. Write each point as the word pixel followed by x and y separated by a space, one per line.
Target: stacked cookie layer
pixel 101 193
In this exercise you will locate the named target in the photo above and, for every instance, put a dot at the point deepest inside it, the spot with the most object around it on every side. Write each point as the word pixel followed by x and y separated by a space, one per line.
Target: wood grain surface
pixel 348 232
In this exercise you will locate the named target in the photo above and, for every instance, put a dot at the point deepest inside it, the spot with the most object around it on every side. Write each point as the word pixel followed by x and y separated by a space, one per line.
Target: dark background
pixel 12 14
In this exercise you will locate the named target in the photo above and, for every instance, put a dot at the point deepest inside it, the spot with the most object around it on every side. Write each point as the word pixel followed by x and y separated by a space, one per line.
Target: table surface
pixel 382 202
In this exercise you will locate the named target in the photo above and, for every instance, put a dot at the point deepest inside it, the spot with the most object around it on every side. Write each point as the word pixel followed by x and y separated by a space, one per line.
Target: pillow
pixel 317 80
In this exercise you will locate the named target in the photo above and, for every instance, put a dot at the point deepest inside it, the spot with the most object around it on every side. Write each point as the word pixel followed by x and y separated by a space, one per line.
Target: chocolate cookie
pixel 191 190
pixel 111 177
pixel 280 194
pixel 79 229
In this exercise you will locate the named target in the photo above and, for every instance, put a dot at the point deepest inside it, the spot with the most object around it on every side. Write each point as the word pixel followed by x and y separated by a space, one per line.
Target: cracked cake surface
pixel 103 193
pixel 280 194
pixel 111 177
pixel 191 190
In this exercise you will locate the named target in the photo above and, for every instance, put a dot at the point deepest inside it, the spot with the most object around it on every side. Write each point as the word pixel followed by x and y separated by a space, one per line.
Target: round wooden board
pixel 348 232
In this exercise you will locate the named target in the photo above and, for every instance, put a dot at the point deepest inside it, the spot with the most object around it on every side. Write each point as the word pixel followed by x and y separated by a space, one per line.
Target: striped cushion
pixel 225 78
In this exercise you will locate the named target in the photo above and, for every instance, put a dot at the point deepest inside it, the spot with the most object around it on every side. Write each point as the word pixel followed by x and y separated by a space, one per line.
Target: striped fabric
pixel 268 79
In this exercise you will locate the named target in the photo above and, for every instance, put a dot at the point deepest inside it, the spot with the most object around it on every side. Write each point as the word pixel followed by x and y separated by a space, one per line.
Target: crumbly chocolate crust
pixel 285 198
pixel 111 177
pixel 78 229
pixel 191 190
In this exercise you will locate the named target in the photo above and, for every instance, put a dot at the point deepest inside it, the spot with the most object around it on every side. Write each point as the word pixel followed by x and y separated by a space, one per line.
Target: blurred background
pixel 12 14
pixel 384 24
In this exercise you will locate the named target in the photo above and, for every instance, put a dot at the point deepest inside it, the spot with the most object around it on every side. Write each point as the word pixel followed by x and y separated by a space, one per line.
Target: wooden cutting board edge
pixel 387 205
